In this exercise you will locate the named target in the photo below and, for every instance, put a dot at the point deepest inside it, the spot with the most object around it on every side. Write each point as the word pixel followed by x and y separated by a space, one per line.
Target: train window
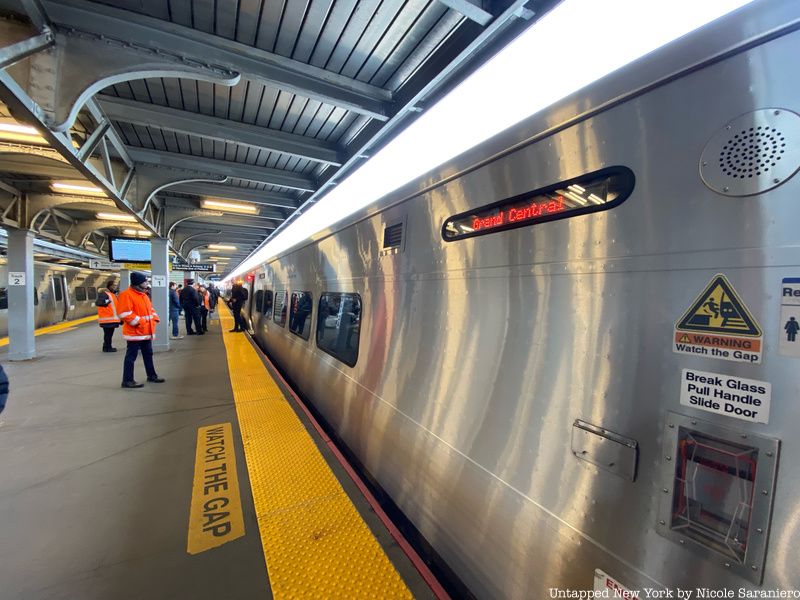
pixel 300 314
pixel 259 297
pixel 339 326
pixel 280 308
pixel 266 306
pixel 80 294
pixel 4 298
pixel 35 297
pixel 92 293
pixel 589 193
pixel 57 287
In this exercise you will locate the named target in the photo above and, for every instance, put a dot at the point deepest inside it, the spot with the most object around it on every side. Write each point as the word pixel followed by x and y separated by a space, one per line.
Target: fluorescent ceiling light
pixel 81 189
pixel 523 78
pixel 230 206
pixel 137 232
pixel 105 216
pixel 221 247
pixel 219 258
pixel 14 132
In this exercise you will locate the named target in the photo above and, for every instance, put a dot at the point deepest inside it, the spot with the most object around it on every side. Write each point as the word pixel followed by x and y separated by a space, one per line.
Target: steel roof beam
pixel 471 9
pixel 237 193
pixel 223 130
pixel 252 63
pixel 222 167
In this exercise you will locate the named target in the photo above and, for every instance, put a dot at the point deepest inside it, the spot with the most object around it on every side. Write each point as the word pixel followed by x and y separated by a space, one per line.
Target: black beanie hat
pixel 138 278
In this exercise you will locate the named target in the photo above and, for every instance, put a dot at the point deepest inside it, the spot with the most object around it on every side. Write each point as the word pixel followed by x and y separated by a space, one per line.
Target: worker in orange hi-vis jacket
pixel 139 329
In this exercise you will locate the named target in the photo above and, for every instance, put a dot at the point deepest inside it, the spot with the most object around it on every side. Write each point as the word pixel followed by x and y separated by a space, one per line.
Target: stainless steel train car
pixel 566 355
pixel 61 293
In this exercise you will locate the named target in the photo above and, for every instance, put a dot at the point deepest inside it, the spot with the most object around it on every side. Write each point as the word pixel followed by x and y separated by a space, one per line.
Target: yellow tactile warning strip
pixel 215 516
pixel 315 543
pixel 57 328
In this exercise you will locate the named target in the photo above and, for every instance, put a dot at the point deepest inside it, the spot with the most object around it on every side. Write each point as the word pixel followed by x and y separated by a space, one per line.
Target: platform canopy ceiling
pixel 215 122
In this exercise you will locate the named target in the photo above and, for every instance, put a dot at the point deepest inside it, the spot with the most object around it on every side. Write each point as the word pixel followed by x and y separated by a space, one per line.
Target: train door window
pixel 58 289
pixel 280 308
pixel 266 306
pixel 35 297
pixel 80 294
pixel 339 326
pixel 4 298
pixel 92 293
pixel 258 300
pixel 300 314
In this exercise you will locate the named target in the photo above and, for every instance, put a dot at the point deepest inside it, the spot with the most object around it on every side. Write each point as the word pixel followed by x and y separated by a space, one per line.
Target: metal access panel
pixel 718 489
pixel 605 449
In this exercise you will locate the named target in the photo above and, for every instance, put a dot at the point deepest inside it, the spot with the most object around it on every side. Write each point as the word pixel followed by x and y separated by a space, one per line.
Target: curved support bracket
pixel 174 216
pixel 39 203
pixel 83 229
pixel 151 179
pixel 80 64
pixel 179 241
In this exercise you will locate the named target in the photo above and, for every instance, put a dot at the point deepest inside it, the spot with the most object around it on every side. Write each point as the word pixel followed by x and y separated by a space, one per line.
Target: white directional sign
pixel 159 281
pixel 101 265
pixel 16 278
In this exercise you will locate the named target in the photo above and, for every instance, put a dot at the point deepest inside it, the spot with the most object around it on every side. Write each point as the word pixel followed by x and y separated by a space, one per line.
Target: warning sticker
pixel 718 325
pixel 607 587
pixel 737 397
pixel 789 340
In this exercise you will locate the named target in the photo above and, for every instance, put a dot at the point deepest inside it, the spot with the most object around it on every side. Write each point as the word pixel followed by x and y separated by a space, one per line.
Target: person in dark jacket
pixel 174 310
pixel 3 388
pixel 238 298
pixel 191 308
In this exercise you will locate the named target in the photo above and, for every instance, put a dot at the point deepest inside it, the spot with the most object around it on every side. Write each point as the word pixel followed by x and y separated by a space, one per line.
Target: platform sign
pixel 197 267
pixel 789 335
pixel 16 278
pixel 727 395
pixel 136 266
pixel 102 265
pixel 159 281
pixel 719 325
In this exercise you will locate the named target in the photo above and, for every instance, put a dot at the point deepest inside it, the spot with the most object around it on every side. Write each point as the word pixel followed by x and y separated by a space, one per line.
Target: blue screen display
pixel 129 250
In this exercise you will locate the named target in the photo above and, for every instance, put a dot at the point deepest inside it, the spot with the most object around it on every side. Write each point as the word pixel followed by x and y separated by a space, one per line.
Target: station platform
pixel 214 484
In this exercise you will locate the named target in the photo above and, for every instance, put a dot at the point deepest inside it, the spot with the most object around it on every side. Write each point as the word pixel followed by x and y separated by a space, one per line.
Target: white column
pixel 21 341
pixel 124 279
pixel 159 271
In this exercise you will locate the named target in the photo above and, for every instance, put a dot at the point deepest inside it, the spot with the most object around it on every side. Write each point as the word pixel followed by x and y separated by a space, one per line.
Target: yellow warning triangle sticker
pixel 684 339
pixel 719 309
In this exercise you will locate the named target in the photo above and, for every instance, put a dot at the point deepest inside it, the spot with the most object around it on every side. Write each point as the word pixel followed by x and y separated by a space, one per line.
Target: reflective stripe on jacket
pixel 137 314
pixel 108 313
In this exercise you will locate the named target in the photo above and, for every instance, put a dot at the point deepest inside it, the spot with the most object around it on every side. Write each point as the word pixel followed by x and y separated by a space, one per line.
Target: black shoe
pixel 131 384
pixel 109 349
pixel 156 379
pixel 233 330
pixel 190 333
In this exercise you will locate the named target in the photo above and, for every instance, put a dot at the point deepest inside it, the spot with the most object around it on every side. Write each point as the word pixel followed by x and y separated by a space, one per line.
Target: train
pixel 564 354
pixel 61 293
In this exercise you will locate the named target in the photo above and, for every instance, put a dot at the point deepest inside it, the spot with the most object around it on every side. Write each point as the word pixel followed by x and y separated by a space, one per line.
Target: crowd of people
pixel 133 310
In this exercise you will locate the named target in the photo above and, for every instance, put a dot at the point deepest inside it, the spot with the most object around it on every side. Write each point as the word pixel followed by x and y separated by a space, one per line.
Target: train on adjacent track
pixel 532 349
pixel 61 293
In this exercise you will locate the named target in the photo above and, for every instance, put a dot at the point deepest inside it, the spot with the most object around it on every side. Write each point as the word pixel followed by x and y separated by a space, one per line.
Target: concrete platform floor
pixel 96 481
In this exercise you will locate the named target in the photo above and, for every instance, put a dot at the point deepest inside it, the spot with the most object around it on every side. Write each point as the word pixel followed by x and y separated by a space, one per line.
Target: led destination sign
pixel 590 193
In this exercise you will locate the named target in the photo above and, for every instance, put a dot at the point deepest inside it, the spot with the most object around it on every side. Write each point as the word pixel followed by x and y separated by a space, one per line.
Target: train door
pixel 60 296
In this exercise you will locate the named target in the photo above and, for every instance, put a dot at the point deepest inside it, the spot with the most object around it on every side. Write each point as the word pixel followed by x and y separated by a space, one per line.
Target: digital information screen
pixel 129 250
pixel 593 192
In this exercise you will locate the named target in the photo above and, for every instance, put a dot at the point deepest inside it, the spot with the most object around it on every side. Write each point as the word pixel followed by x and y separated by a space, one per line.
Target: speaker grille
pixel 755 152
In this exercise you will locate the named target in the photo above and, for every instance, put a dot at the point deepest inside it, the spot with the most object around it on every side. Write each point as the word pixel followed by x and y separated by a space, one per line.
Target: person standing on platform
pixel 238 298
pixel 107 316
pixel 138 328
pixel 191 302
pixel 174 310
pixel 205 308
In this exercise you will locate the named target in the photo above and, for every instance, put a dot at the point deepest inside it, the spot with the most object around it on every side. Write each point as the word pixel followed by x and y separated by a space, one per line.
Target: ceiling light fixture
pixel 236 207
pixel 105 216
pixel 81 189
pixel 14 132
pixel 221 247
pixel 137 232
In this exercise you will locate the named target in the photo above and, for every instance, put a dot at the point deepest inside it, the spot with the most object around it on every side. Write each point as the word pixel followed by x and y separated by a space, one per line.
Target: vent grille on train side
pixel 753 153
pixel 393 236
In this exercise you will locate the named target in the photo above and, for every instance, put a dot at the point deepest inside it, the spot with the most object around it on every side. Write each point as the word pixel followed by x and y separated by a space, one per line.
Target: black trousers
pixel 146 346
pixel 238 320
pixel 188 314
pixel 108 333
pixel 203 318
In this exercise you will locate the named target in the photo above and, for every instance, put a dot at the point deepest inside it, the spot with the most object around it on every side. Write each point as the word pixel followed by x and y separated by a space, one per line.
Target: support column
pixel 21 324
pixel 124 279
pixel 159 271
